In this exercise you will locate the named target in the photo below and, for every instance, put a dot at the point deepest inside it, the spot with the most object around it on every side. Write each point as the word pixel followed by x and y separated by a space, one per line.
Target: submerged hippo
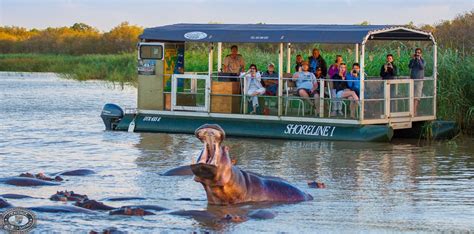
pixel 76 172
pixel 179 171
pixel 67 196
pixel 227 184
pixel 61 209
pixel 4 204
pixel 26 181
pixel 15 196
pixel 41 176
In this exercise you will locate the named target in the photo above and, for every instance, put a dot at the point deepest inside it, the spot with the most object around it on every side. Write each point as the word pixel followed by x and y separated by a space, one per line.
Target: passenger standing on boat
pixel 417 72
pixel 234 62
pixel 253 87
pixel 388 70
pixel 270 80
pixel 343 91
pixel 307 85
pixel 354 77
pixel 315 61
pixel 334 68
pixel 299 61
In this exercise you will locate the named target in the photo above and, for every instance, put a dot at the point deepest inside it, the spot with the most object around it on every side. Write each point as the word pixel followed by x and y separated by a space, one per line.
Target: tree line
pixel 80 38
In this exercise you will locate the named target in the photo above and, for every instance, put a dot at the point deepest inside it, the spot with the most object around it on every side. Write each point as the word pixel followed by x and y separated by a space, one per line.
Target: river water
pixel 48 124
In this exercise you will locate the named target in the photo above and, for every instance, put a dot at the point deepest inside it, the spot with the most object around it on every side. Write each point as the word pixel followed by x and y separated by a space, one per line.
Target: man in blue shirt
pixel 354 78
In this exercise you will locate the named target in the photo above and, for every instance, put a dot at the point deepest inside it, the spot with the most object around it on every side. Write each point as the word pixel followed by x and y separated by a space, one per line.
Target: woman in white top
pixel 253 87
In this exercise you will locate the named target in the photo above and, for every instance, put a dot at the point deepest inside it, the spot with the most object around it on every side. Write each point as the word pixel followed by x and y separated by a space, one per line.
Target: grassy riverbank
pixel 116 68
pixel 455 72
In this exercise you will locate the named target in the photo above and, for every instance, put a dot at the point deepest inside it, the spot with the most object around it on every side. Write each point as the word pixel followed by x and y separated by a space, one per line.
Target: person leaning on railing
pixel 253 87
pixel 343 91
pixel 417 71
pixel 307 86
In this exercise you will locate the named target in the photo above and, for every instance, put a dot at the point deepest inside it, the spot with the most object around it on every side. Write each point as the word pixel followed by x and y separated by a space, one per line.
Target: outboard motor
pixel 111 115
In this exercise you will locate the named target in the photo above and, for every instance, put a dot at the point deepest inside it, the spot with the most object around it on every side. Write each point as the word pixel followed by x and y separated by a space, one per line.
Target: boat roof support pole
pixel 209 80
pixel 288 58
pixel 280 76
pixel 219 56
pixel 362 82
pixel 435 73
pixel 211 53
pixel 357 52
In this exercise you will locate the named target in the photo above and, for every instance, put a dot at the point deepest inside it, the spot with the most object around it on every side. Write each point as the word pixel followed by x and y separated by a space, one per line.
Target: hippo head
pixel 214 164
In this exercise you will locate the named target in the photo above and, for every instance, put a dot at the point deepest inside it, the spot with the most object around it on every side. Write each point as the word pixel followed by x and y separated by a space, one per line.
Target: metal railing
pixel 383 99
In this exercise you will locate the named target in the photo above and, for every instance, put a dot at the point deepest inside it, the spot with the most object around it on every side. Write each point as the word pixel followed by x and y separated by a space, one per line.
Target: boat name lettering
pixel 309 130
pixel 151 119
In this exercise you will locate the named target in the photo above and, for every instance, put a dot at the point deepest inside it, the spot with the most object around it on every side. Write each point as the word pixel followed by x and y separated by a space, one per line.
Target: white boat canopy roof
pixel 281 33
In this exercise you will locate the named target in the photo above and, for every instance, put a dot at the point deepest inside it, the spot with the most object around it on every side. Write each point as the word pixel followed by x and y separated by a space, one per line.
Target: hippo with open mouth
pixel 227 184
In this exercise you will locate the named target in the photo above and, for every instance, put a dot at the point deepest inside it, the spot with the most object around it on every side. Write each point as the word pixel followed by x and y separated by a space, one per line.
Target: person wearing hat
pixel 270 80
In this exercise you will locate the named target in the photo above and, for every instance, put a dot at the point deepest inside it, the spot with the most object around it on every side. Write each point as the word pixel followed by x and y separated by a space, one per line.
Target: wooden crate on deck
pixel 225 104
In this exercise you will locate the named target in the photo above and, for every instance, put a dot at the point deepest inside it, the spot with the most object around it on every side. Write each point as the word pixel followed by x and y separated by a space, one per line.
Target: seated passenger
pixel 299 61
pixel 354 77
pixel 234 62
pixel 334 68
pixel 271 83
pixel 319 75
pixel 388 70
pixel 253 87
pixel 307 86
pixel 343 91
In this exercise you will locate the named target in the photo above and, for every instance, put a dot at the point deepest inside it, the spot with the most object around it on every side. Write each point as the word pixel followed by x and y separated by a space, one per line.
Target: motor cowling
pixel 111 115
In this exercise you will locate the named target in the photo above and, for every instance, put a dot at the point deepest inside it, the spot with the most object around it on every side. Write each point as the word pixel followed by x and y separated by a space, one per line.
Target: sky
pixel 105 14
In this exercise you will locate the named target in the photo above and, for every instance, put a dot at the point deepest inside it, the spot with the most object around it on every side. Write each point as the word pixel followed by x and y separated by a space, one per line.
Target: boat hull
pixel 278 129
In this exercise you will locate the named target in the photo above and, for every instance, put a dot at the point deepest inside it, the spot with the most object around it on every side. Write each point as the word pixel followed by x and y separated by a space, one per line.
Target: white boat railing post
pixel 288 58
pixel 211 53
pixel 208 85
pixel 244 96
pixel 357 52
pixel 280 80
pixel 362 81
pixel 435 73
pixel 219 56
pixel 174 87
pixel 321 97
